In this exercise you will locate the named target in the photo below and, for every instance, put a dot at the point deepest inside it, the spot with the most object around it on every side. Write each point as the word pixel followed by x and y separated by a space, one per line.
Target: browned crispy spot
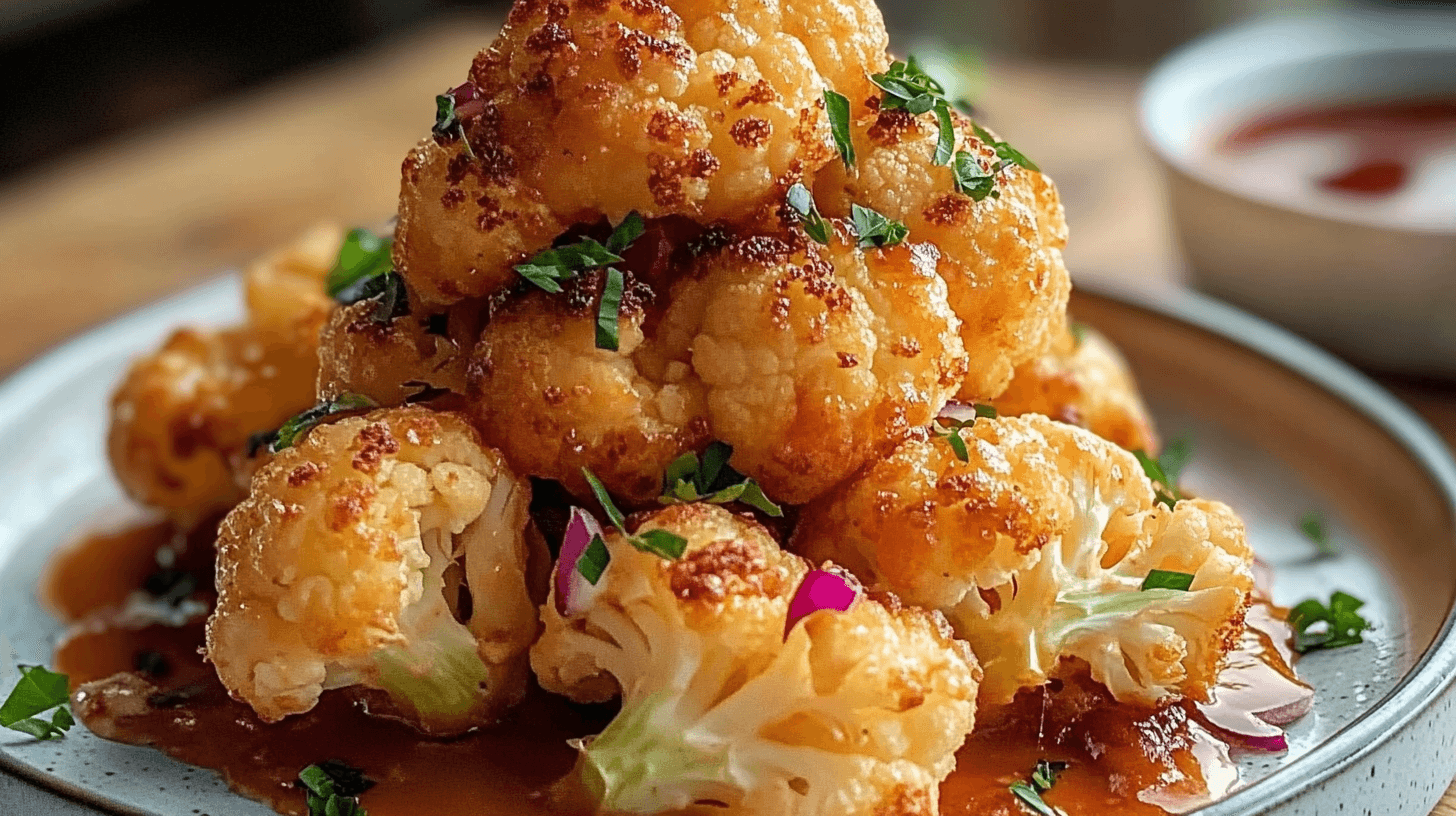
pixel 750 132
pixel 847 360
pixel 759 93
pixel 553 395
pixel 346 504
pixel 908 347
pixel 892 126
pixel 906 801
pixel 666 126
pixel 724 82
pixel 548 38
pixel 949 209
pixel 304 473
pixel 725 567
pixel 452 198
pixel 375 442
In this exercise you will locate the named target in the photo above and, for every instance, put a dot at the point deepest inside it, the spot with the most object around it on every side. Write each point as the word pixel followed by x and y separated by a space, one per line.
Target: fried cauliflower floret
pixel 185 412
pixel 1036 548
pixel 389 362
pixel 853 712
pixel 1083 380
pixel 816 359
pixel 387 552
pixel 808 361
pixel 1000 257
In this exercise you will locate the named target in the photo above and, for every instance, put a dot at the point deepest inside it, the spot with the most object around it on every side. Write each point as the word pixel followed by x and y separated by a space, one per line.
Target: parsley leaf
pixel 659 542
pixel 971 179
pixel 1167 579
pixel 1317 626
pixel 1079 332
pixel 837 108
pixel 290 432
pixel 38 691
pixel 875 230
pixel 945 140
pixel 1005 152
pixel 608 308
pixel 550 268
pixel 907 87
pixel 1043 777
pixel 362 257
pixel 801 202
pixel 333 789
pixel 712 480
pixel 1312 525
pixel 594 560
pixel 950 429
pixel 1045 773
pixel 1166 470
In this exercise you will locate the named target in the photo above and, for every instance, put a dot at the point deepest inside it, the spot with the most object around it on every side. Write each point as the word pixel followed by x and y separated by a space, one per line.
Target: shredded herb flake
pixel 1079 332
pixel 971 179
pixel 290 432
pixel 1167 579
pixel 1166 470
pixel 1043 777
pixel 1313 526
pixel 608 309
pixel 801 202
pixel 945 139
pixel 594 560
pixel 550 268
pixel 1005 152
pixel 907 87
pixel 837 107
pixel 39 690
pixel 363 256
pixel 333 789
pixel 690 478
pixel 1317 626
pixel 875 230
pixel 659 542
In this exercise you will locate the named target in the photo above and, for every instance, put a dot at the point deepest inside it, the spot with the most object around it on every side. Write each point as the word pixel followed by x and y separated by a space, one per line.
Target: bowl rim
pixel 1304 38
pixel 1422 685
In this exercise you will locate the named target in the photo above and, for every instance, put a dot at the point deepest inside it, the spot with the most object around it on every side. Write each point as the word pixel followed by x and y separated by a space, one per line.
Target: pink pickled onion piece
pixel 1263 576
pixel 821 589
pixel 465 92
pixel 1272 744
pixel 1290 711
pixel 958 412
pixel 572 590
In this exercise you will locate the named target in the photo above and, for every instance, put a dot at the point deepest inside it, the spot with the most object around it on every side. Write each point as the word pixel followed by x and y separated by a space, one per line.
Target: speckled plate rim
pixel 1419 689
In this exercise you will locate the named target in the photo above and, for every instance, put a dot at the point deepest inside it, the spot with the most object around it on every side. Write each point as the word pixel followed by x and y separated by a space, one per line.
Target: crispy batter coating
pixel 183 413
pixel 1000 257
pixel 854 712
pixel 389 362
pixel 1083 380
pixel 595 108
pixel 1036 549
pixel 808 360
pixel 388 552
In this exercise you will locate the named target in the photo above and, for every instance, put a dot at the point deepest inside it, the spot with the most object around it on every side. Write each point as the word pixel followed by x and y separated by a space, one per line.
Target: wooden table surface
pixel 142 217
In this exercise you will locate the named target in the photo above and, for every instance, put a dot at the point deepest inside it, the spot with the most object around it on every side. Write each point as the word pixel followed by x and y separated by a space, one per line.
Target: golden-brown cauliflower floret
pixel 726 700
pixel 1083 380
pixel 388 553
pixel 1036 549
pixel 1000 257
pixel 389 362
pixel 808 361
pixel 184 413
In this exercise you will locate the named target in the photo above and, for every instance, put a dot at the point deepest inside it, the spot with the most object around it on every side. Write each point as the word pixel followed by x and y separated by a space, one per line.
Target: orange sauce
pixel 1116 754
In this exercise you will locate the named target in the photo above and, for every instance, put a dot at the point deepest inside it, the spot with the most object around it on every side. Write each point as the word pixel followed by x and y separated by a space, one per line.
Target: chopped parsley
pixel 448 124
pixel 950 429
pixel 39 690
pixel 552 267
pixel 594 560
pixel 333 789
pixel 1312 525
pixel 837 108
pixel 658 542
pixel 1167 579
pixel 1166 470
pixel 608 310
pixel 1317 626
pixel 875 230
pixel 907 87
pixel 290 432
pixel 971 179
pixel 1079 331
pixel 363 256
pixel 711 479
pixel 1005 152
pixel 1043 777
pixel 801 202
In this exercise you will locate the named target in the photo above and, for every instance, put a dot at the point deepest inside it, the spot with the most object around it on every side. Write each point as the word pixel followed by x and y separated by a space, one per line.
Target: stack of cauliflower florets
pixel 690 254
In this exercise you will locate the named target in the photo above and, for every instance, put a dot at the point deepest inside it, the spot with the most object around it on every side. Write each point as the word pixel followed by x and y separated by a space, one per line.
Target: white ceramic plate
pixel 1280 429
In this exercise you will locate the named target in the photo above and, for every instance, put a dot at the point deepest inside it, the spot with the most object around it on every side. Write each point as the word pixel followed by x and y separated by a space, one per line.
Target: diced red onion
pixel 1290 711
pixel 574 592
pixel 468 101
pixel 821 589
pixel 1273 744
pixel 958 412
pixel 465 92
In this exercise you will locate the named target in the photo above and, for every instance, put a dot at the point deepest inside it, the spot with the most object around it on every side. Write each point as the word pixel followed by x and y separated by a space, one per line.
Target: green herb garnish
pixel 1079 332
pixel 448 124
pixel 950 429
pixel 875 230
pixel 39 690
pixel 290 432
pixel 1336 625
pixel 907 87
pixel 1043 777
pixel 801 202
pixel 658 542
pixel 1166 470
pixel 690 478
pixel 1312 525
pixel 363 256
pixel 608 309
pixel 837 107
pixel 552 267
pixel 1167 579
pixel 971 179
pixel 1005 152
pixel 333 789
pixel 594 560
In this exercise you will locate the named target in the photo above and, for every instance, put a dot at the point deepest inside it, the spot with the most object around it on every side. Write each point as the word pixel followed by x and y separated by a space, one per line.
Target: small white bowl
pixel 1375 283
